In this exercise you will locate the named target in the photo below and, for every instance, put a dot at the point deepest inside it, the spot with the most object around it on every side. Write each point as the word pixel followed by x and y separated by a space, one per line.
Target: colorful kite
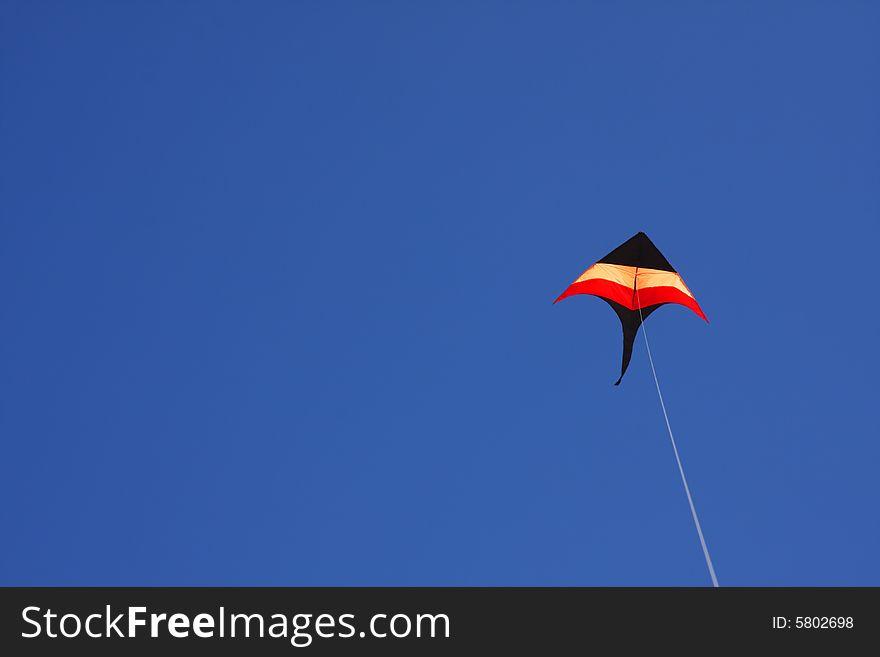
pixel 635 279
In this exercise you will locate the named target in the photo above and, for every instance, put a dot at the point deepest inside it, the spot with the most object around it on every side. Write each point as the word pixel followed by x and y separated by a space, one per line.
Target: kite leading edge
pixel 634 279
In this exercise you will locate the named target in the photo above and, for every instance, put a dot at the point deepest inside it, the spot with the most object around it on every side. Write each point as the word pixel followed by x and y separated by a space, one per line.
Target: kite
pixel 635 279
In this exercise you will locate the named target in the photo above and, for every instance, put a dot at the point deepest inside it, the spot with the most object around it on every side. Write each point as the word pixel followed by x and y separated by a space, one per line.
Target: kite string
pixel 687 490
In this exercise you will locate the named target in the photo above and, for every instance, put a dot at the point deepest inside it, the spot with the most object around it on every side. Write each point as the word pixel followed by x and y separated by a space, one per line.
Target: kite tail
pixel 630 330
pixel 630 321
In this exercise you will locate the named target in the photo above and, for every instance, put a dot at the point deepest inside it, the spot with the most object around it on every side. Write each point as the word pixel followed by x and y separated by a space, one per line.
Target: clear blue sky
pixel 277 283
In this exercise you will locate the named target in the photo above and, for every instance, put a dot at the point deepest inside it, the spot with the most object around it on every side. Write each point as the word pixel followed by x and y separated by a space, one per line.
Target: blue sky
pixel 277 285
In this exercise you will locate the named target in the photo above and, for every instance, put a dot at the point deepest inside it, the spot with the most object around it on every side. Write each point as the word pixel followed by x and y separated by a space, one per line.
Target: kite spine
pixel 687 490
